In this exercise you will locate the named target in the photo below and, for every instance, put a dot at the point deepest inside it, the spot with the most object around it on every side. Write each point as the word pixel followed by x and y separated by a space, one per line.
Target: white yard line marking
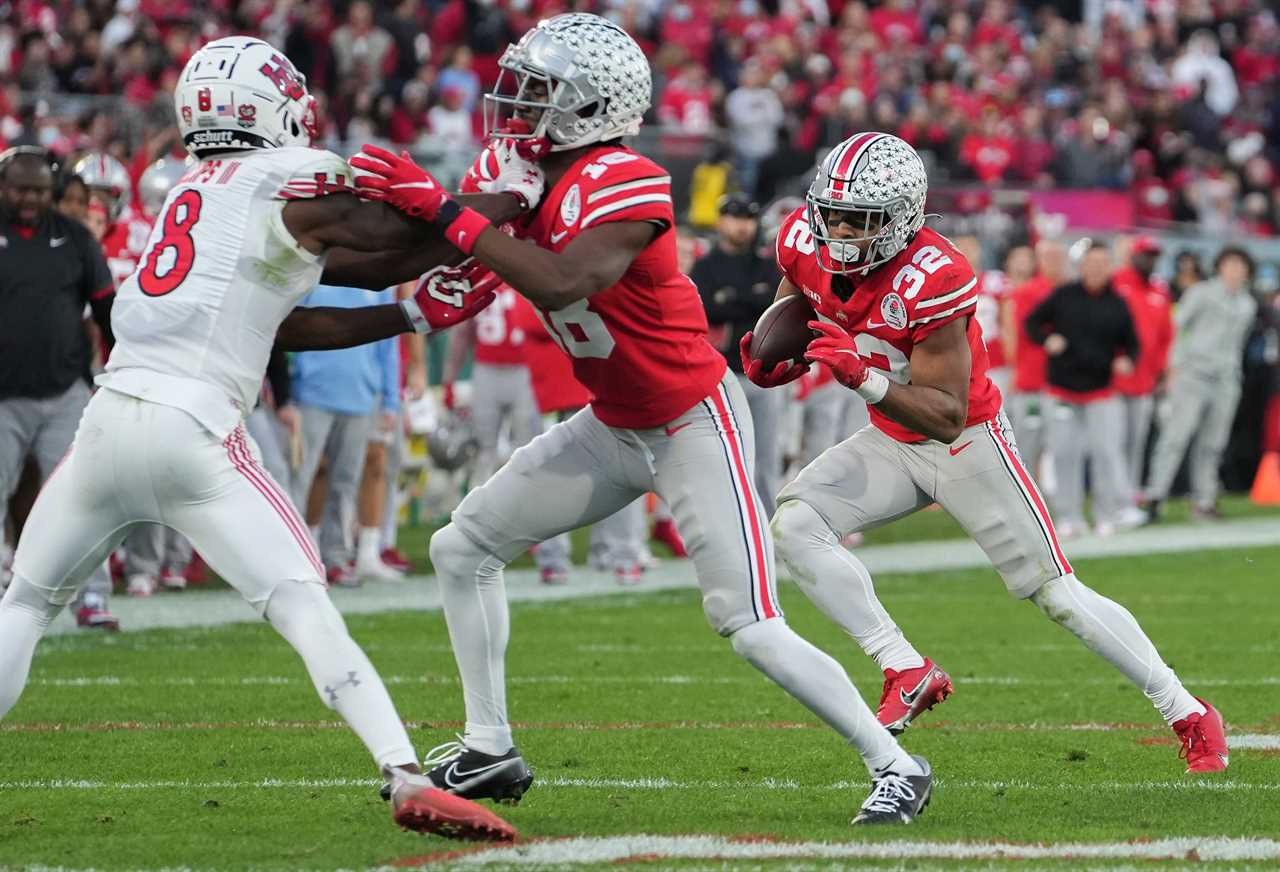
pixel 614 849
pixel 1254 742
pixel 78 681
pixel 647 784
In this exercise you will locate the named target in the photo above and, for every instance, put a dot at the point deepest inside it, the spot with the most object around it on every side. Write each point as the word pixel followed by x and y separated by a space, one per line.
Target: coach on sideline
pixel 50 268
pixel 737 284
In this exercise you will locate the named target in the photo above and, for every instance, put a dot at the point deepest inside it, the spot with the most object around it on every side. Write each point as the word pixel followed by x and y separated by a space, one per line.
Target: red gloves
pixel 782 373
pixel 837 350
pixel 450 295
pixel 399 182
pixel 403 185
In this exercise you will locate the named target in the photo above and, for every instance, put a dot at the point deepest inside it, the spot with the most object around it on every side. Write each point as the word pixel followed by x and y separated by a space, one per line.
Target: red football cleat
pixel 396 560
pixel 93 615
pixel 665 532
pixel 911 692
pixel 425 808
pixel 197 571
pixel 1204 740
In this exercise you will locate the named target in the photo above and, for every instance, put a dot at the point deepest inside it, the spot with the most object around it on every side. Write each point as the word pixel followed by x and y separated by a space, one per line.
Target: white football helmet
pixel 107 178
pixel 595 84
pixel 239 93
pixel 880 180
pixel 156 182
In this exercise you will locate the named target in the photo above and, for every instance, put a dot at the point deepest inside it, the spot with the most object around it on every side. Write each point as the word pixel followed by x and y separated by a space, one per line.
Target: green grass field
pixel 209 749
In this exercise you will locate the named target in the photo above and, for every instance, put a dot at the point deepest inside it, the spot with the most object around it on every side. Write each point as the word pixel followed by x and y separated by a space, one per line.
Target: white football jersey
pixel 195 322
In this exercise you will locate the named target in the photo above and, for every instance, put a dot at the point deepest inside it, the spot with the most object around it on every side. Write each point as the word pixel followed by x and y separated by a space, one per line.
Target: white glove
pixel 517 175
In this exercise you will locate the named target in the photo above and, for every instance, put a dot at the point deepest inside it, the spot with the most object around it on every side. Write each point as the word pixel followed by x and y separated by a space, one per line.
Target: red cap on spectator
pixel 1145 244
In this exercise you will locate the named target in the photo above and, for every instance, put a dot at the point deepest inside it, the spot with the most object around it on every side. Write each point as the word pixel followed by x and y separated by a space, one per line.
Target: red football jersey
pixel 641 345
pixel 1029 359
pixel 499 336
pixel 1152 312
pixel 927 285
pixel 124 243
pixel 554 387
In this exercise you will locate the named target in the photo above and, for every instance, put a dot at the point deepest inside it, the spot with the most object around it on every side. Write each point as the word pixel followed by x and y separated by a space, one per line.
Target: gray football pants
pixel 150 548
pixel 501 394
pixel 342 440
pixel 766 413
pixel 1077 431
pixel 581 471
pixel 832 413
pixel 43 429
pixel 1028 413
pixel 1203 410
pixel 1137 427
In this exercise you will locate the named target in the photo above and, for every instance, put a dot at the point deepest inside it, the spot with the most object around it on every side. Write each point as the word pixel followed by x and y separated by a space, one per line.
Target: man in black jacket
pixel 737 284
pixel 51 267
pixel 1087 331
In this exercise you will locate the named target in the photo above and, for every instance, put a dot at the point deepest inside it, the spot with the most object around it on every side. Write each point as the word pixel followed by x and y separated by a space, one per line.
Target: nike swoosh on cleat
pixel 471 773
pixel 908 699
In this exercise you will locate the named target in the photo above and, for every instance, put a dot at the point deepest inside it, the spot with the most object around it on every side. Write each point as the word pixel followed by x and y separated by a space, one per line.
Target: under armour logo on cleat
pixel 333 691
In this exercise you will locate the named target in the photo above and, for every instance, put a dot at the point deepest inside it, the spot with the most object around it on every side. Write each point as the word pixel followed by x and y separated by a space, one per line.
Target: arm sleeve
pixel 278 377
pixel 1039 323
pixel 389 357
pixel 315 174
pixel 97 287
pixel 704 277
pixel 952 294
pixel 635 190
pixel 1188 307
pixel 1128 334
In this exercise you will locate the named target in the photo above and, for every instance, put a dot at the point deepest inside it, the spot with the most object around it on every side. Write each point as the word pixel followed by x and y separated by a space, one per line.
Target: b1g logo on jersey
pixel 571 207
pixel 894 311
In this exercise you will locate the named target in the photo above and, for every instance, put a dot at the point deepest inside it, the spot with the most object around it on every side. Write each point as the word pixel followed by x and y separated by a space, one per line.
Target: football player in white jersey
pixel 246 232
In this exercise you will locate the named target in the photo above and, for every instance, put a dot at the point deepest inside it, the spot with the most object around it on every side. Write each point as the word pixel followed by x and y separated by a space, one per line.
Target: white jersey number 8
pixel 579 331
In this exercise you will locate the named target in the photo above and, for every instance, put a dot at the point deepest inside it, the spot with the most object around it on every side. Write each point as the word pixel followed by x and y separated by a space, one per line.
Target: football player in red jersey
pixel 895 304
pixel 598 259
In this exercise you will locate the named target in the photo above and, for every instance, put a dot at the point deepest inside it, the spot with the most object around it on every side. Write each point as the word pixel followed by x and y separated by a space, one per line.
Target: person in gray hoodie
pixel 1213 320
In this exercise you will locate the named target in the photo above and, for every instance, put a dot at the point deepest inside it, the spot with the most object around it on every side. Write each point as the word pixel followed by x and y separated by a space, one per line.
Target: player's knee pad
pixel 1060 598
pixel 756 641
pixel 301 611
pixel 42 602
pixel 456 556
pixel 798 528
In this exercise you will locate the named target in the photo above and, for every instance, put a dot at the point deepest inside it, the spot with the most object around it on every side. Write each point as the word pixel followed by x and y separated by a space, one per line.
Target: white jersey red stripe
pixel 242 459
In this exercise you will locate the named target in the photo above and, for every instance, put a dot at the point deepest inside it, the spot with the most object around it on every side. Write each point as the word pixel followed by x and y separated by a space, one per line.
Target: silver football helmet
pixel 452 443
pixel 106 177
pixel 156 182
pixel 573 80
pixel 875 181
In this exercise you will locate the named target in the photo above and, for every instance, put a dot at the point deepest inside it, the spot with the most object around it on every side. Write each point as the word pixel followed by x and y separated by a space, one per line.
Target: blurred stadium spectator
pixel 1169 110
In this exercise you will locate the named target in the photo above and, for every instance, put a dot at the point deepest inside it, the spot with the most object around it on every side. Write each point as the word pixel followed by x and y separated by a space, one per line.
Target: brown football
pixel 783 332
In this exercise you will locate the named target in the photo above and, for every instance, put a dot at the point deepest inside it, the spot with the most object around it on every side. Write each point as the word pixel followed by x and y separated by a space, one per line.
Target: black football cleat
pixel 897 799
pixel 473 774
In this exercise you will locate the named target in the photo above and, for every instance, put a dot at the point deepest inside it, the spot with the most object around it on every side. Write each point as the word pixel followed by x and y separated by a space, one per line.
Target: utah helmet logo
pixel 286 80
pixel 894 311
pixel 246 115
